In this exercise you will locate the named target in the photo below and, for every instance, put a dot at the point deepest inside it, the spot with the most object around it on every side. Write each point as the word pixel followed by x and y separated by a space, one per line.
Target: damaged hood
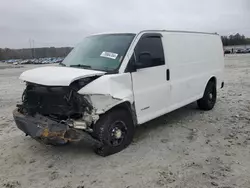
pixel 57 76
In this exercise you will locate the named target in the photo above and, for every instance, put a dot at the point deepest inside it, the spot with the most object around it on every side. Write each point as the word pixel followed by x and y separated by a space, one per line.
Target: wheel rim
pixel 117 133
pixel 212 96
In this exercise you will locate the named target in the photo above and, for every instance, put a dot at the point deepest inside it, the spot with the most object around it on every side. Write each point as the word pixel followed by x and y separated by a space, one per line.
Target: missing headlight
pixel 79 84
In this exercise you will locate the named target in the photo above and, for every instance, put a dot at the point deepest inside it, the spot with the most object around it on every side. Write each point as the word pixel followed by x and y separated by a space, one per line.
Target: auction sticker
pixel 109 55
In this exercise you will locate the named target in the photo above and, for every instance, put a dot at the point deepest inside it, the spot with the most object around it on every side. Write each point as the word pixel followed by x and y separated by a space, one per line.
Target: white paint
pixel 192 58
pixel 103 103
pixel 110 55
pixel 57 76
pixel 108 91
pixel 151 91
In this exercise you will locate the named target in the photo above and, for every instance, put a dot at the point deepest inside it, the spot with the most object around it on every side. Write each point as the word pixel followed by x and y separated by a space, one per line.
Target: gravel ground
pixel 187 148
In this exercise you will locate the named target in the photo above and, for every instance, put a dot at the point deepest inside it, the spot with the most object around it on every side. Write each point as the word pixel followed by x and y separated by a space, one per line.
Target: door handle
pixel 168 74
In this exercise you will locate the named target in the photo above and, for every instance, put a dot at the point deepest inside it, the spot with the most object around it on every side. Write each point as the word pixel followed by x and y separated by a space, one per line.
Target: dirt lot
pixel 187 148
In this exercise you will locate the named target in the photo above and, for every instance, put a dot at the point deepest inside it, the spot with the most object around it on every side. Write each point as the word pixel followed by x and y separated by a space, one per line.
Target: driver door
pixel 151 85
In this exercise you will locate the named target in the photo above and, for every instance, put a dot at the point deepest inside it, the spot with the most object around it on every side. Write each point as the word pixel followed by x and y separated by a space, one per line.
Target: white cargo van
pixel 110 83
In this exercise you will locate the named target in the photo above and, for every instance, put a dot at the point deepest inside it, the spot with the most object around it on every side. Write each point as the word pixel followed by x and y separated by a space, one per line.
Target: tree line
pixel 31 53
pixel 236 39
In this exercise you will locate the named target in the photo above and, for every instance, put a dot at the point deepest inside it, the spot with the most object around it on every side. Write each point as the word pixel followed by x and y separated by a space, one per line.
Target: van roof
pixel 174 31
pixel 180 31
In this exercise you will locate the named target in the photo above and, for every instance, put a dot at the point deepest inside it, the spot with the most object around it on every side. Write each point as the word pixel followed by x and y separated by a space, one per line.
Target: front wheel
pixel 115 130
pixel 208 100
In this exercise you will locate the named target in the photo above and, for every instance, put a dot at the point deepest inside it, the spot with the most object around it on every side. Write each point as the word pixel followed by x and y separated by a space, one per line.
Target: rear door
pixel 151 80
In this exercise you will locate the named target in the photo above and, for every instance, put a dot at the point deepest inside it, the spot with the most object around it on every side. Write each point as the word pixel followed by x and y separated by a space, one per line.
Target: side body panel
pixel 150 86
pixel 193 59
pixel 151 92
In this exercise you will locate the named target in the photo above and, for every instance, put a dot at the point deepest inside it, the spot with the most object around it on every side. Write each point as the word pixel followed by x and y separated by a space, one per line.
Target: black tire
pixel 208 100
pixel 115 130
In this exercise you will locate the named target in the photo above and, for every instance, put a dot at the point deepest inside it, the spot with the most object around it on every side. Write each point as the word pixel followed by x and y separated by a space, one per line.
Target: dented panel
pixel 102 103
pixel 109 91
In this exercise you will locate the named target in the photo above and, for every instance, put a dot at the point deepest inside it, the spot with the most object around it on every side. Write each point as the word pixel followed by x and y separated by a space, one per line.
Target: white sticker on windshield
pixel 109 55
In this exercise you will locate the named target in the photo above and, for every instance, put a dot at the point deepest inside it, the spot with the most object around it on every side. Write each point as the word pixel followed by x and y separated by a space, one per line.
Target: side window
pixel 149 52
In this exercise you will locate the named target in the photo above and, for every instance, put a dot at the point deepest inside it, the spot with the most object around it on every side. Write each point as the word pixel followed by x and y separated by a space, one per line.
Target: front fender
pixel 108 91
pixel 103 103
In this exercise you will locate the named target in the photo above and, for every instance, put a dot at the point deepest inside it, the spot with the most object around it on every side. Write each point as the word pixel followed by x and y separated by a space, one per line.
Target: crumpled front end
pixel 45 129
pixel 55 114
pixel 61 114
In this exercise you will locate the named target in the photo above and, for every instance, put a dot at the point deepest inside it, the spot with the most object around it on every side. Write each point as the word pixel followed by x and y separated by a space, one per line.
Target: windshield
pixel 100 52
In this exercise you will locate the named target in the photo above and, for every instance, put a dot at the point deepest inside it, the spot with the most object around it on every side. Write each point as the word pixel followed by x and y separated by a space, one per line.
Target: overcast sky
pixel 66 22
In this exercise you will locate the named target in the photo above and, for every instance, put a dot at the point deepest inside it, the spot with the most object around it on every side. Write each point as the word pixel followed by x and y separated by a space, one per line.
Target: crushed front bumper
pixel 48 131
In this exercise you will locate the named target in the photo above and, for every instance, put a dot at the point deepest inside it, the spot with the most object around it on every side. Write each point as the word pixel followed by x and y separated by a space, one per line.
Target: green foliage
pixel 236 39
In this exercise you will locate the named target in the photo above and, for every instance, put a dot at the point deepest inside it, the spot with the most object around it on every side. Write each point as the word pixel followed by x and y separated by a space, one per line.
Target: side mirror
pixel 144 60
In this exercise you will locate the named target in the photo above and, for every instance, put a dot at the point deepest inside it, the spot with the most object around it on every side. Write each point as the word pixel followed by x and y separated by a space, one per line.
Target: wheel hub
pixel 210 96
pixel 118 133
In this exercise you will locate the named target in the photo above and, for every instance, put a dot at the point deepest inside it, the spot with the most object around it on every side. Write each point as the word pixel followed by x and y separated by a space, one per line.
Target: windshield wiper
pixel 81 66
pixel 62 64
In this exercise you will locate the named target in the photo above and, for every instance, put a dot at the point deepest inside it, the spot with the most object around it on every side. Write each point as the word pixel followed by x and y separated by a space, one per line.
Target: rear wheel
pixel 208 100
pixel 115 130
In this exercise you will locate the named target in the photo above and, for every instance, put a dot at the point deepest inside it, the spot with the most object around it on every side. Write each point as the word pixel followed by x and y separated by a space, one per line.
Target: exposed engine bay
pixel 55 112
pixel 58 103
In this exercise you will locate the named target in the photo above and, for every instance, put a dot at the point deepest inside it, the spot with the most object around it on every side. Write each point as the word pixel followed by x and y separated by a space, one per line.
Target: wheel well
pixel 213 80
pixel 130 108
